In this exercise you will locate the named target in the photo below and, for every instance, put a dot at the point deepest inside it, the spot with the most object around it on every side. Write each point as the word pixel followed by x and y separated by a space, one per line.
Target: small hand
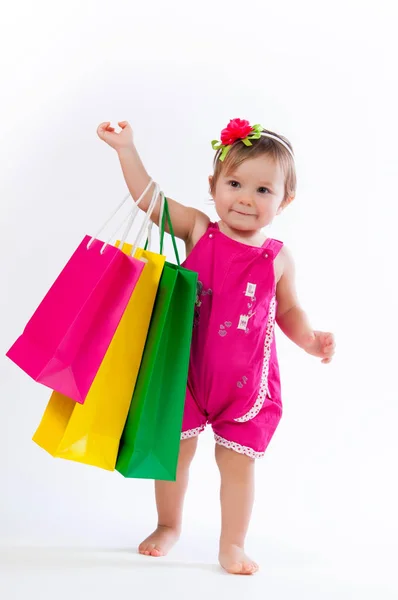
pixel 118 141
pixel 322 345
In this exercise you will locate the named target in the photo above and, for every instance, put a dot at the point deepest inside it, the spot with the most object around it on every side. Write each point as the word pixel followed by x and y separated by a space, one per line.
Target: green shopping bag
pixel 150 442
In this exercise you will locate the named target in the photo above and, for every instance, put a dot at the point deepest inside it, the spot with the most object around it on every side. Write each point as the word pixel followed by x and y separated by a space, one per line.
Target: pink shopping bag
pixel 65 341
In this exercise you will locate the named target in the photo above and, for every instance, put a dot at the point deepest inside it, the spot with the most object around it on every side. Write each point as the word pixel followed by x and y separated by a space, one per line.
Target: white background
pixel 323 75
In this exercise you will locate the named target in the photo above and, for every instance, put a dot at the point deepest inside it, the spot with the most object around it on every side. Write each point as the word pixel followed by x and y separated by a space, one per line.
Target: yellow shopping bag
pixel 90 433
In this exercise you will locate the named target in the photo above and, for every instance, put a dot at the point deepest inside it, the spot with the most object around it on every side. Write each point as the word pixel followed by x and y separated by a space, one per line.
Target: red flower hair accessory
pixel 237 129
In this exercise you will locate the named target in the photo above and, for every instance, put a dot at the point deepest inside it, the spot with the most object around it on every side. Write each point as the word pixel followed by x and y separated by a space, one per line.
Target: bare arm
pixel 290 317
pixel 185 219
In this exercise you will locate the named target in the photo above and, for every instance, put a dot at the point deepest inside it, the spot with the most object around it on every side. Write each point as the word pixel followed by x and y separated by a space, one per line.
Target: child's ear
pixel 285 204
pixel 210 183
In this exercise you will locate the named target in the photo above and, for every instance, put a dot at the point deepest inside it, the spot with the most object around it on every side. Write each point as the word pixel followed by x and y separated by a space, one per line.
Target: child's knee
pixel 187 450
pixel 226 457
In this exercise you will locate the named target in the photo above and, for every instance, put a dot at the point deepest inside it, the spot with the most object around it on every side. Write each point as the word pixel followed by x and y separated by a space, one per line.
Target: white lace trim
pixel 253 412
pixel 238 448
pixel 192 432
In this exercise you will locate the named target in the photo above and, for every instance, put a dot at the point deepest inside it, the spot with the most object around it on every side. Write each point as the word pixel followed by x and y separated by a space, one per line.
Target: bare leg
pixel 170 502
pixel 237 496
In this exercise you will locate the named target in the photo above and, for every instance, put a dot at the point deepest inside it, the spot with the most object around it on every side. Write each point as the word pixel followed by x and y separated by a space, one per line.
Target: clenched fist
pixel 118 141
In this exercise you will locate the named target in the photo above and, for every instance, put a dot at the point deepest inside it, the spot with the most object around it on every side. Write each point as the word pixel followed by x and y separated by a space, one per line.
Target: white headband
pixel 269 135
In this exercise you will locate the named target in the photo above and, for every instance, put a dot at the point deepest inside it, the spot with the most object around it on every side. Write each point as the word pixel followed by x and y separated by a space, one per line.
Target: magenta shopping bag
pixel 65 340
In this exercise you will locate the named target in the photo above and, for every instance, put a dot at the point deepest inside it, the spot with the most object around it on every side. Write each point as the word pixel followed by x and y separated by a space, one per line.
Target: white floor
pixel 108 573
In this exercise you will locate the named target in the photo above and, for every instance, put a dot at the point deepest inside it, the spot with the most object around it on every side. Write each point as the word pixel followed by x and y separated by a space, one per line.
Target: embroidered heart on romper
pixel 228 324
pixel 222 332
pixel 239 384
pixel 222 327
pixel 244 379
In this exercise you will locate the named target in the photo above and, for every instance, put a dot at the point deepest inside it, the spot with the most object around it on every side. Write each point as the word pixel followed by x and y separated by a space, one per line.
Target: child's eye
pixel 262 190
pixel 233 183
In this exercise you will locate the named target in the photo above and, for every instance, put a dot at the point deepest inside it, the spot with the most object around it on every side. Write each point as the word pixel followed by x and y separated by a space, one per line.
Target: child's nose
pixel 246 200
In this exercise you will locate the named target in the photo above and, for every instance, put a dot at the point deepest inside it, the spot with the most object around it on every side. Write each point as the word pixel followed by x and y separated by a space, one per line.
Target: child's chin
pixel 242 223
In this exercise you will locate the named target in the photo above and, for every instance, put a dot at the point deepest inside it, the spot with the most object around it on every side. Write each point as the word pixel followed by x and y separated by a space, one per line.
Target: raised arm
pixel 184 219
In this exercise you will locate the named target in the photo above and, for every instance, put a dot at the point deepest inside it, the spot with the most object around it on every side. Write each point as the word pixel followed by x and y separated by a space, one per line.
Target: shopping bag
pixel 150 442
pixel 90 433
pixel 64 342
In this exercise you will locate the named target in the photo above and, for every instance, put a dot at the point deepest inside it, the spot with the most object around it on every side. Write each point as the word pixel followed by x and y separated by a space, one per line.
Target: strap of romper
pixel 273 247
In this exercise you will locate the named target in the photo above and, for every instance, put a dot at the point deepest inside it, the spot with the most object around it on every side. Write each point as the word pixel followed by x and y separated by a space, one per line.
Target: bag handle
pixel 148 242
pixel 136 204
pixel 147 221
pixel 163 215
pixel 166 215
pixel 131 218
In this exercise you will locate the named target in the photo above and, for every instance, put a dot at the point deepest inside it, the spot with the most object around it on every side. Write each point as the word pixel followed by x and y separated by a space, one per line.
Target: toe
pixel 235 569
pixel 156 551
pixel 146 549
pixel 248 568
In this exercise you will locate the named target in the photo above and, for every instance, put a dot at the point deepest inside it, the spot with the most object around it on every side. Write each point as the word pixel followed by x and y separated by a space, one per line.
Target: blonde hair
pixel 264 145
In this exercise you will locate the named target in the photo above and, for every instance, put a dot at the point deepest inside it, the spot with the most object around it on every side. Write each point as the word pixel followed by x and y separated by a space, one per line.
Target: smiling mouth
pixel 243 213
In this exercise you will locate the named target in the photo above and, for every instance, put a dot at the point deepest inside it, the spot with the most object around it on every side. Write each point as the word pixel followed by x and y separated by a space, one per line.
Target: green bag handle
pixel 166 215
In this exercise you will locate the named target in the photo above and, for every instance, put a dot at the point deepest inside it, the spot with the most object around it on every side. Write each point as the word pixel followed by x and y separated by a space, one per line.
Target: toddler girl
pixel 246 285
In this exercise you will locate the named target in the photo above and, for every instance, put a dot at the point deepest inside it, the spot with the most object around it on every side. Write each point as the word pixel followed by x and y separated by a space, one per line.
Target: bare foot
pixel 159 542
pixel 234 560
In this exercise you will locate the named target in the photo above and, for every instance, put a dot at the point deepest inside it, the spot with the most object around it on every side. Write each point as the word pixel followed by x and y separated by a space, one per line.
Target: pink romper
pixel 233 380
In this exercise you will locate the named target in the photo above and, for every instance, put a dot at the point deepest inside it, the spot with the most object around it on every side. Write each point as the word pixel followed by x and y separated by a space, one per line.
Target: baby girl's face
pixel 249 198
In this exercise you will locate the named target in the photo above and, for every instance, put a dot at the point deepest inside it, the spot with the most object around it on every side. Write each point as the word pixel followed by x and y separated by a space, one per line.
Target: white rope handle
pixel 127 217
pixel 150 226
pixel 116 211
pixel 131 217
pixel 147 220
pixel 162 204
